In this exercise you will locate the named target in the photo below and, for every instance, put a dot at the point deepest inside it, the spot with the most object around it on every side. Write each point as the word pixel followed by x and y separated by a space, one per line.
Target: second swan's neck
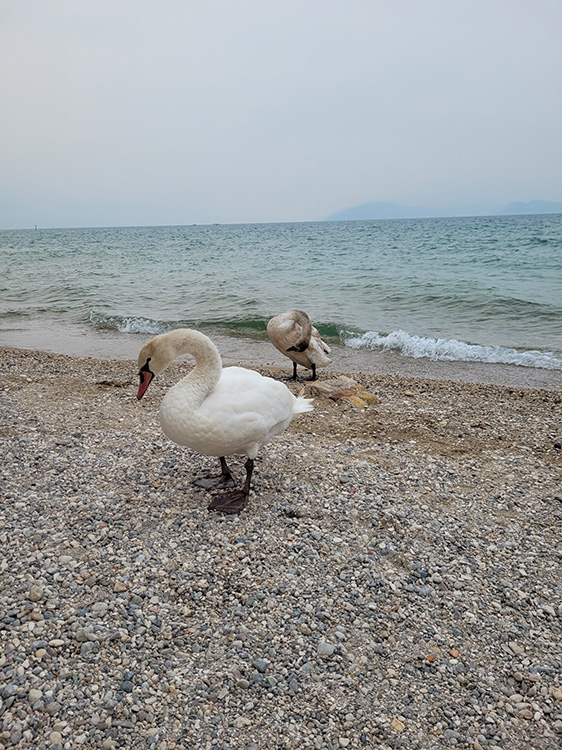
pixel 303 320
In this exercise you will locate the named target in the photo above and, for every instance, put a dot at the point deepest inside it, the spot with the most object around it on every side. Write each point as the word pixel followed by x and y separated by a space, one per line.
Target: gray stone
pixel 53 708
pixel 34 695
pixel 260 664
pixel 88 649
pixel 35 593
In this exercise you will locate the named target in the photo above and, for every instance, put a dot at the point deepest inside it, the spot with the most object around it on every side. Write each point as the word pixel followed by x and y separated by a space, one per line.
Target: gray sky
pixel 130 112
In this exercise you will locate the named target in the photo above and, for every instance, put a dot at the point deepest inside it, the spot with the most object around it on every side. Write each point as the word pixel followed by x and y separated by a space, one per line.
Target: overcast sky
pixel 130 112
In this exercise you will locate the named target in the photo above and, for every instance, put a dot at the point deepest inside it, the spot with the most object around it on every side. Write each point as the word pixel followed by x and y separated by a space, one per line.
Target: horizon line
pixel 326 220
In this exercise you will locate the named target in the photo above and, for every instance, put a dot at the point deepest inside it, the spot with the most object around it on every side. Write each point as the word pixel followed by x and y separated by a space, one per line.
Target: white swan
pixel 216 411
pixel 293 335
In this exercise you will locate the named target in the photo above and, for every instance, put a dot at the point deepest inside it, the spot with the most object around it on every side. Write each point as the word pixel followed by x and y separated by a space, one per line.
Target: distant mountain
pixel 379 211
pixel 368 211
pixel 532 207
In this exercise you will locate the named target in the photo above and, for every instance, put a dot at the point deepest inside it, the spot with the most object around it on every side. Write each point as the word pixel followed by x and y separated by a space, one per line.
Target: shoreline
pixel 80 341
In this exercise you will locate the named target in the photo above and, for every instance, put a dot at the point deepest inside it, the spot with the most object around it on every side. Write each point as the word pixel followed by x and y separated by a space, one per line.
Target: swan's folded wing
pixel 249 406
pixel 318 340
pixel 242 392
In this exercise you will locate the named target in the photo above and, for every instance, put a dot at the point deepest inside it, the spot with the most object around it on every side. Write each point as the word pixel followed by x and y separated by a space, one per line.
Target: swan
pixel 217 411
pixel 293 335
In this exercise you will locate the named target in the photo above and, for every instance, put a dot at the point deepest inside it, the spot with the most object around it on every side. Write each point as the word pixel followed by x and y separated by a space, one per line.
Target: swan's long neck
pixel 303 320
pixel 202 379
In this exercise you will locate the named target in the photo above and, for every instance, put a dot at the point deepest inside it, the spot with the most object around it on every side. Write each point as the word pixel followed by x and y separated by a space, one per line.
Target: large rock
pixel 340 388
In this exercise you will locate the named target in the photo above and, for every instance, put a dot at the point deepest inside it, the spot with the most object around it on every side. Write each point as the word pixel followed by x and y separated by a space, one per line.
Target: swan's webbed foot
pixel 234 502
pixel 291 379
pixel 295 377
pixel 215 483
pixel 304 380
pixel 221 482
pixel 229 502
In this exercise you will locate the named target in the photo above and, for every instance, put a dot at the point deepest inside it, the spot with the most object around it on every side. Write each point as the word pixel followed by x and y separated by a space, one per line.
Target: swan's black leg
pixel 234 502
pixel 249 466
pixel 293 376
pixel 221 482
pixel 313 376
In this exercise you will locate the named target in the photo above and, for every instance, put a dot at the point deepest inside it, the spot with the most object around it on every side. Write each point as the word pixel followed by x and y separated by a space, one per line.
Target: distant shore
pixel 82 341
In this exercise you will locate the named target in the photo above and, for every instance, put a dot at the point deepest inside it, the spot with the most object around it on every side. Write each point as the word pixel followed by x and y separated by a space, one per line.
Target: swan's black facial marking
pixel 145 376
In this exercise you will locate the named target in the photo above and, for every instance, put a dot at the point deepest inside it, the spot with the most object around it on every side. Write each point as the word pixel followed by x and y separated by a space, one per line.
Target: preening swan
pixel 293 335
pixel 217 411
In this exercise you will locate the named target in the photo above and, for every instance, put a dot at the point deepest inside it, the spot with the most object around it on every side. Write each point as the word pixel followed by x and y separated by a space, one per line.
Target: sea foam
pixel 450 350
pixel 130 324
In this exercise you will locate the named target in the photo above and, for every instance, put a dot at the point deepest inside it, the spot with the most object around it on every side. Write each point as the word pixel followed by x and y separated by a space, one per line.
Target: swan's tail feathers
pixel 302 404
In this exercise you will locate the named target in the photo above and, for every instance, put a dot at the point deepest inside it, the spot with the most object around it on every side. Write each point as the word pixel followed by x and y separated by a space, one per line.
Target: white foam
pixel 140 325
pixel 127 325
pixel 451 350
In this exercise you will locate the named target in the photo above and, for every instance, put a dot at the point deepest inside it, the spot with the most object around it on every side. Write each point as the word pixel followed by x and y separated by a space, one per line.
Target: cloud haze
pixel 125 112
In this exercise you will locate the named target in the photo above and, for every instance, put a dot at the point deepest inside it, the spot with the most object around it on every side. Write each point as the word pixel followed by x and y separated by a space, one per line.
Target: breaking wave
pixel 450 350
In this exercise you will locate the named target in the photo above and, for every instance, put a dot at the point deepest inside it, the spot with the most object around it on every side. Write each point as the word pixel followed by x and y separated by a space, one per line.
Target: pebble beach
pixel 394 582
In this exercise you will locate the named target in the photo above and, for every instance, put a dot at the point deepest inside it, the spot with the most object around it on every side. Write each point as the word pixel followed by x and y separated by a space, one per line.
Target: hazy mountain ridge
pixel 379 210
pixel 532 207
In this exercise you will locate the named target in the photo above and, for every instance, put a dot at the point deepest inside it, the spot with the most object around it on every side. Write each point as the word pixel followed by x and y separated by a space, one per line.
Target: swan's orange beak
pixel 145 378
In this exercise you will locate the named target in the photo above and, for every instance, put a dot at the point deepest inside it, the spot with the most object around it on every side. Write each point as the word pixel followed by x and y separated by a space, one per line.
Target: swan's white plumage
pixel 218 411
pixel 289 329
pixel 242 413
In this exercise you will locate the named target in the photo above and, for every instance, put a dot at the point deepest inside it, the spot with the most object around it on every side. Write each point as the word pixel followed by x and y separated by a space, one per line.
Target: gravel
pixel 394 582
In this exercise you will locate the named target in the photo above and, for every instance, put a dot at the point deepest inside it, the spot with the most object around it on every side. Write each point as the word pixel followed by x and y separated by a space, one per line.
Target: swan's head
pixel 153 358
pixel 301 346
pixel 164 348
